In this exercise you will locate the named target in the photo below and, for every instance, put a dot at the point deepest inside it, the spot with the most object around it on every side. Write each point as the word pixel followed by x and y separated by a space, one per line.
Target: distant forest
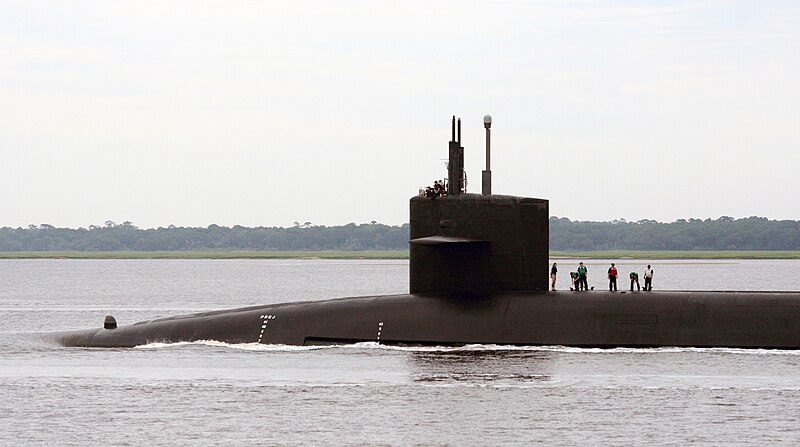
pixel 725 233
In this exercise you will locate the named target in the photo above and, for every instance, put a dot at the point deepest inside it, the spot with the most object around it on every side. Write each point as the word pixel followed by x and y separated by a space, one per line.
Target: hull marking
pixel 264 320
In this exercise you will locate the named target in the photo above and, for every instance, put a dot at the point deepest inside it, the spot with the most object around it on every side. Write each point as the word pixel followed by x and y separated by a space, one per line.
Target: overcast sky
pixel 265 113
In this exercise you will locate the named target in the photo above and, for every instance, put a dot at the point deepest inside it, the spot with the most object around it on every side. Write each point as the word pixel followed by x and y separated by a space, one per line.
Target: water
pixel 216 394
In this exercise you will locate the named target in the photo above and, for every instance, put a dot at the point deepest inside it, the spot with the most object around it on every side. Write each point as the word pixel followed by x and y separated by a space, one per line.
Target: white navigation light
pixel 487 119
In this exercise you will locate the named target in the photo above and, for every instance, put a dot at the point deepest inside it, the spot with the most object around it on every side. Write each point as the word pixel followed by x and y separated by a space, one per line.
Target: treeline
pixel 127 237
pixel 725 233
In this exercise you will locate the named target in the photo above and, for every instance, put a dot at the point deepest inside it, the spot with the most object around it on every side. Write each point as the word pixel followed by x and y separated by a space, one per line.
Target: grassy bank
pixel 398 254
pixel 204 254
pixel 676 254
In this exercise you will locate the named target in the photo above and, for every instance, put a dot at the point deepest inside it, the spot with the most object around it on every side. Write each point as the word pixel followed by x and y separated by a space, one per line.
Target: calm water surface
pixel 217 394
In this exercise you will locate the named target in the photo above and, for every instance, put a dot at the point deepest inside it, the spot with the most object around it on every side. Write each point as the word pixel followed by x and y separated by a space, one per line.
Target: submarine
pixel 478 274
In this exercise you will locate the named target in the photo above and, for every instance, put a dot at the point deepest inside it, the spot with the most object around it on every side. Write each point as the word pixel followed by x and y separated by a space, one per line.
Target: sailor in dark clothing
pixel 438 189
pixel 635 279
pixel 553 272
pixel 429 192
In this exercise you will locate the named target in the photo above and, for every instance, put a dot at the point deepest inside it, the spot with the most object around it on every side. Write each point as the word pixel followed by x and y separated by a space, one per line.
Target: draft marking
pixel 264 320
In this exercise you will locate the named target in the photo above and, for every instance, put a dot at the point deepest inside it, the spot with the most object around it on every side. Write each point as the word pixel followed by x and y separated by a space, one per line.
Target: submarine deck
pixel 571 318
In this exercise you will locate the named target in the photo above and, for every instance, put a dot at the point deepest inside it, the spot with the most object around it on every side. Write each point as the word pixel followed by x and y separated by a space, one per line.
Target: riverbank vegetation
pixel 723 234
pixel 200 254
pixel 731 254
pixel 396 254
pixel 752 237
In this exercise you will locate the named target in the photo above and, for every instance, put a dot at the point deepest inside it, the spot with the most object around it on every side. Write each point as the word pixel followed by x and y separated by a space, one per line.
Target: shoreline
pixel 677 255
pixel 387 254
pixel 242 254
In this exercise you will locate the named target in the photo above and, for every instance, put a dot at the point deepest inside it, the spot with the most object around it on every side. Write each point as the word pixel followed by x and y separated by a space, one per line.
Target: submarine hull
pixel 581 319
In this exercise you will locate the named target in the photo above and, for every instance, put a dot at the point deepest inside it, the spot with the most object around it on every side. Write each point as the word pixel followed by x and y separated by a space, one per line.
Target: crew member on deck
pixel 612 278
pixel 582 283
pixel 635 279
pixel 553 272
pixel 648 279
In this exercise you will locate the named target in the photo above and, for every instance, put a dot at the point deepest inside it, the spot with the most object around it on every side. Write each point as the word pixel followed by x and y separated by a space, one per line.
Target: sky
pixel 265 113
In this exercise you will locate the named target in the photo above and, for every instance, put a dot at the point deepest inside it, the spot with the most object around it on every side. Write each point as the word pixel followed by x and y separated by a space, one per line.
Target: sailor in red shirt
pixel 612 278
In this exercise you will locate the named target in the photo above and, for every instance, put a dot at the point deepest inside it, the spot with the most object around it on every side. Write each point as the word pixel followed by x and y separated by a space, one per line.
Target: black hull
pixel 769 320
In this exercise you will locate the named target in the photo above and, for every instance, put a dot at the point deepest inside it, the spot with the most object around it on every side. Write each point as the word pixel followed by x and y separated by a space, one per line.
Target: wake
pixel 488 348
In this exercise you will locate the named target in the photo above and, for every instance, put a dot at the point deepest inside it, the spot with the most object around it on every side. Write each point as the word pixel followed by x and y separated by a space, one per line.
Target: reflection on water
pixel 480 366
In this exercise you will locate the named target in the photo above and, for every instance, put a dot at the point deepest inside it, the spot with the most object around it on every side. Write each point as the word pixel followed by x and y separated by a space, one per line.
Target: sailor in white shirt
pixel 648 278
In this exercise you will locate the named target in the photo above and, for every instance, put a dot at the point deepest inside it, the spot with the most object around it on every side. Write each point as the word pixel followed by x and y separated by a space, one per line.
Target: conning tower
pixel 475 245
